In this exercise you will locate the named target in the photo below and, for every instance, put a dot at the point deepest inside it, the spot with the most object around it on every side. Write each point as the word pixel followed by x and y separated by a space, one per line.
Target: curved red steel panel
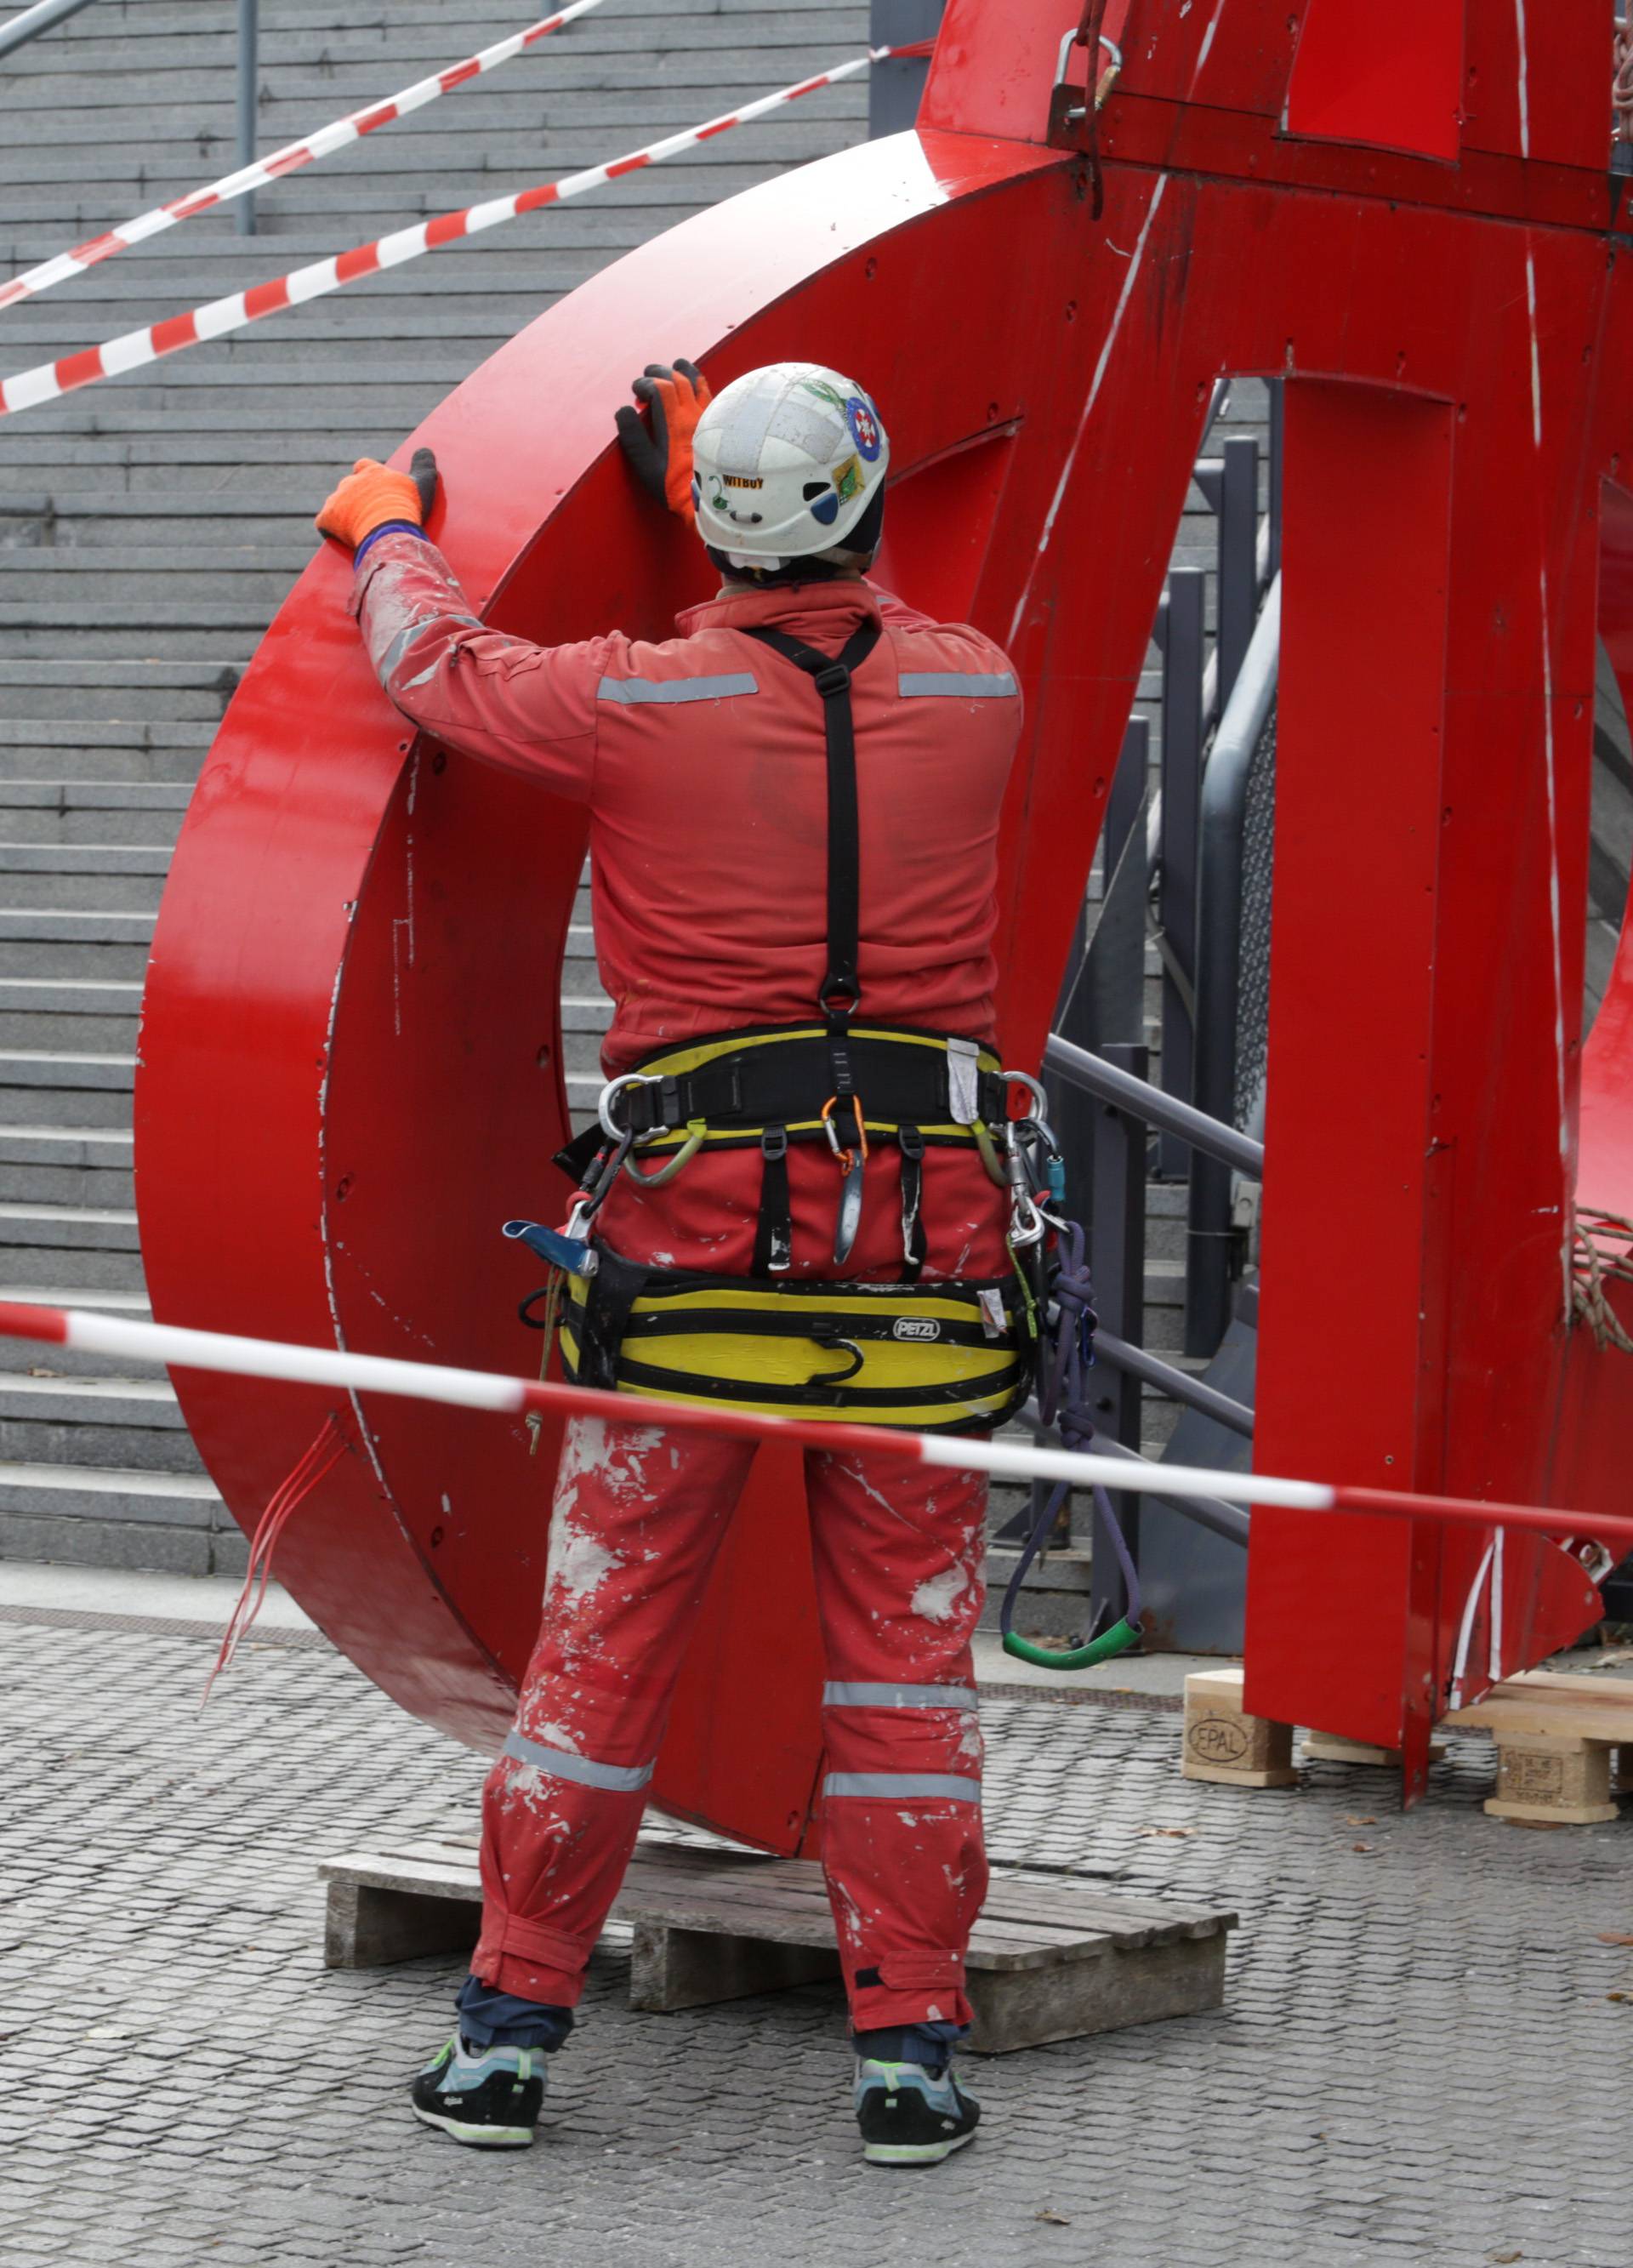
pixel 352 1054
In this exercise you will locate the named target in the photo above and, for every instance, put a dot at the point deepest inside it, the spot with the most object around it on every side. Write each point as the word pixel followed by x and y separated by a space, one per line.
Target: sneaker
pixel 489 2097
pixel 911 2117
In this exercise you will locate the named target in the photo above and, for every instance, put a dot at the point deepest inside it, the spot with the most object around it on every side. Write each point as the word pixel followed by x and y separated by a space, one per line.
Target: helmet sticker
pixel 824 391
pixel 825 509
pixel 864 424
pixel 848 479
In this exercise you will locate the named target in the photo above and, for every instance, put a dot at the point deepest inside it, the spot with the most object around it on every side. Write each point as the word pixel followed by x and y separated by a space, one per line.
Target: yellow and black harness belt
pixel 951 1356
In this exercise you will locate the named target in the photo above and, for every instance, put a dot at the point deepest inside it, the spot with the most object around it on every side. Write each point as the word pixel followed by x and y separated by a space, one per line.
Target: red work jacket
pixel 703 761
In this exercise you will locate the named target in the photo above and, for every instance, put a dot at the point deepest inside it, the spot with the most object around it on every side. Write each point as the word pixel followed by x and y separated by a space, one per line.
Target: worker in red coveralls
pixel 708 762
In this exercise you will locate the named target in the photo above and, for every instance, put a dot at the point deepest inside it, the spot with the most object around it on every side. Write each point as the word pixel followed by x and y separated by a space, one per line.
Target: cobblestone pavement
pixel 1420 2060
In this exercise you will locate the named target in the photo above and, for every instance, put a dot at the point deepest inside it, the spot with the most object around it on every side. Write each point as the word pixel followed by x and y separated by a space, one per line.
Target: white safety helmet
pixel 785 462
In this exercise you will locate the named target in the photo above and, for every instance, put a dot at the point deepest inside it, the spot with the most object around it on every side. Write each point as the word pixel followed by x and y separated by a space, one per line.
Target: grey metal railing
pixel 248 95
pixel 1231 1520
pixel 1099 1077
pixel 18 30
pixel 1177 1385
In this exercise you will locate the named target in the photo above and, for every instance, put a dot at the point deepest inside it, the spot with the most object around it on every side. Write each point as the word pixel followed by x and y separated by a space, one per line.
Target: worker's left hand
pixel 676 397
pixel 371 495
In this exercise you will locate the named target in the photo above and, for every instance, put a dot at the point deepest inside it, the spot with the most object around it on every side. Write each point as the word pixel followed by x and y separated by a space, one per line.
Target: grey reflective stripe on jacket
pixel 561 1763
pixel 634 691
pixel 889 1788
pixel 405 638
pixel 898 1697
pixel 956 684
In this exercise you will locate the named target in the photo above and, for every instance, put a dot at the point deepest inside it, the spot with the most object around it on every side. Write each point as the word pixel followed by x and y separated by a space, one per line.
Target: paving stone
pixel 1370 2094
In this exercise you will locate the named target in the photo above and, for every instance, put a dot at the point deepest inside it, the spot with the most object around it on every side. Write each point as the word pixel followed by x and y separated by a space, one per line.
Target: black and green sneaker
pixel 911 2117
pixel 489 2097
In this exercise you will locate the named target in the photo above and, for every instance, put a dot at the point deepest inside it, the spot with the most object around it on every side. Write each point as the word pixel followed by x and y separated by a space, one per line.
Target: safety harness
pixel 951 1354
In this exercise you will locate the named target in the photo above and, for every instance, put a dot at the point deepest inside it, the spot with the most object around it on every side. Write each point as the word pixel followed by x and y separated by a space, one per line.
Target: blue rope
pixel 1063 1391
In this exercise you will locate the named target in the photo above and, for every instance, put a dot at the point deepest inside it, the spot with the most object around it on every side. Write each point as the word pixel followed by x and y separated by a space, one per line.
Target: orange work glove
pixel 676 397
pixel 370 495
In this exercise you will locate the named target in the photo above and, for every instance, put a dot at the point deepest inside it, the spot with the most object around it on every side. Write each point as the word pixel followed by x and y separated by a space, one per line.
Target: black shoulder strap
pixel 841 988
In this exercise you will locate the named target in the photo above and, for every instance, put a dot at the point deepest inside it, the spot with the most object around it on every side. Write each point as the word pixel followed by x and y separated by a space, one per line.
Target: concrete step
pixel 65 1090
pixel 119 1517
pixel 99 1248
pixel 41 942
pixel 323 52
pixel 594 74
pixel 433 153
pixel 98 689
pixel 47 747
pixel 208 34
pixel 84 1013
pixel 1055 1597
pixel 126 1424
pixel 119 812
pixel 75 1362
pixel 113 877
pixel 75 1165
pixel 139 576
pixel 228 633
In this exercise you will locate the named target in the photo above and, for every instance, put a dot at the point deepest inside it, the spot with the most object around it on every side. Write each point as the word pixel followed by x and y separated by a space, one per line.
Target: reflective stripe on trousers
pixel 562 1764
pixel 841 1695
pixel 887 1787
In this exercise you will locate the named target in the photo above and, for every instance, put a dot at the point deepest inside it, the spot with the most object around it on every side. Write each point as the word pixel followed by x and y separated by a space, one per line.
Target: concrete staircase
pixel 150 528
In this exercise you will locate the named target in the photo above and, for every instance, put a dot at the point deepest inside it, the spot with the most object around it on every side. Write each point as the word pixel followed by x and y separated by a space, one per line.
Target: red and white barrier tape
pixel 214 321
pixel 288 160
pixel 483 1389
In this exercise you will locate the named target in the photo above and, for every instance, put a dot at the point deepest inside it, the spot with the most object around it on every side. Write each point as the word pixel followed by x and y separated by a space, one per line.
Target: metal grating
pixel 1252 1011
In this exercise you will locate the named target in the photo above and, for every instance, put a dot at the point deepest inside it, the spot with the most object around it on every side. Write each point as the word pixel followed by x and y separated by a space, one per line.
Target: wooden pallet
pixel 1557 1737
pixel 1045 1962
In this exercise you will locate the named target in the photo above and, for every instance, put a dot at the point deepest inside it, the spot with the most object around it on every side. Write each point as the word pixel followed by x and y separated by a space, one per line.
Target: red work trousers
pixel 898 1555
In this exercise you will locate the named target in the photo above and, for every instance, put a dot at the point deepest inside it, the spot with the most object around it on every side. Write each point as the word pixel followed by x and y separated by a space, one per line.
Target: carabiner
pixel 1041 1105
pixel 592 1195
pixel 842 1156
pixel 610 1127
pixel 1027 1223
pixel 1035 1225
pixel 695 1130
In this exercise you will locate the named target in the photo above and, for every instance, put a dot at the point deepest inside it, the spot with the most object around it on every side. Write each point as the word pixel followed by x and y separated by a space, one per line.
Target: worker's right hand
pixel 371 494
pixel 660 455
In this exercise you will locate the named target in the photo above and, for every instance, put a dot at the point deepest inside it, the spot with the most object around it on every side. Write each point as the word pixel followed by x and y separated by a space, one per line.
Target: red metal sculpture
pixel 351 1050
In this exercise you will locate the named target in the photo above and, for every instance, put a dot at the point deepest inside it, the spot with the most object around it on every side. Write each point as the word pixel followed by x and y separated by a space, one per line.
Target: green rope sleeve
pixel 1117 1639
